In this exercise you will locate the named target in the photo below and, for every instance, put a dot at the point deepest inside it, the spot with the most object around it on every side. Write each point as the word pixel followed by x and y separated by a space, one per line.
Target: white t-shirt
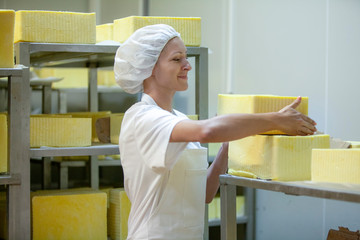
pixel 147 156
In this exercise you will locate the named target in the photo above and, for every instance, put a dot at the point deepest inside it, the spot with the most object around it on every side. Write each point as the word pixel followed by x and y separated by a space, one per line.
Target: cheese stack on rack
pixel 188 27
pixel 55 27
pixel 71 214
pixel 59 131
pixel 104 32
pixel 277 157
pixel 119 214
pixel 7 22
pixel 3 143
pixel 336 165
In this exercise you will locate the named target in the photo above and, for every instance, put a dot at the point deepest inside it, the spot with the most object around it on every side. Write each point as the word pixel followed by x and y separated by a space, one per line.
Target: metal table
pixel 228 183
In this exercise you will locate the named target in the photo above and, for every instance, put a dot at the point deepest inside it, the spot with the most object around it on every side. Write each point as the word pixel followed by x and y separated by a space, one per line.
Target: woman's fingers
pixel 295 103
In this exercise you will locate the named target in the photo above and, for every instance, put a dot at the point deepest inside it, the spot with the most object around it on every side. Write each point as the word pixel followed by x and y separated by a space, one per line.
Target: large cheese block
pixel 69 215
pixel 188 27
pixel 7 22
pixel 239 103
pixel 94 116
pixel 336 165
pixel 119 213
pixel 115 127
pixel 106 78
pixel 60 132
pixel 3 143
pixel 55 27
pixel 277 157
pixel 104 32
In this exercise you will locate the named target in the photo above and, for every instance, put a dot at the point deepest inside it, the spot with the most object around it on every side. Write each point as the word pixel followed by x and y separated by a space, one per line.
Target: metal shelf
pixel 228 184
pixel 95 149
pixel 342 192
pixel 18 179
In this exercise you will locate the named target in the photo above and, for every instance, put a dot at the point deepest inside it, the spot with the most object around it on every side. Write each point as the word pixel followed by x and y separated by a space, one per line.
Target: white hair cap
pixel 137 56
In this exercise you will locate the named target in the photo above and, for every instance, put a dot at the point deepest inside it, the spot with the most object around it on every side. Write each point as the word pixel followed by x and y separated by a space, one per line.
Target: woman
pixel 165 168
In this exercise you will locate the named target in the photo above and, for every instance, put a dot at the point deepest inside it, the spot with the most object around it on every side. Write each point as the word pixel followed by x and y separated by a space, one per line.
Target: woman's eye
pixel 176 59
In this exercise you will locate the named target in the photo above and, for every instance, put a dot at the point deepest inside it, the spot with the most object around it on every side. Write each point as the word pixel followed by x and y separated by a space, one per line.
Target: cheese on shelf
pixel 55 27
pixel 336 165
pixel 238 103
pixel 106 78
pixel 277 157
pixel 94 116
pixel 119 213
pixel 104 32
pixel 7 22
pixel 60 132
pixel 354 144
pixel 115 127
pixel 69 215
pixel 188 27
pixel 3 143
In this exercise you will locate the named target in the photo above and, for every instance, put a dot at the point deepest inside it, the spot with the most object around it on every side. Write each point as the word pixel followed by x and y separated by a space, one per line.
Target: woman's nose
pixel 187 65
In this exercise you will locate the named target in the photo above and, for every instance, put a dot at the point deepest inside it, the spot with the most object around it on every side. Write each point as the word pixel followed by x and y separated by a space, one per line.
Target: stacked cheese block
pixel 214 208
pixel 336 165
pixel 121 29
pixel 277 157
pixel 64 214
pixel 118 214
pixel 3 143
pixel 60 131
pixel 7 21
pixel 55 27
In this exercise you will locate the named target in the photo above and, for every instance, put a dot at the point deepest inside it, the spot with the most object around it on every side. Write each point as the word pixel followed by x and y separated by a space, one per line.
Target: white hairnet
pixel 137 56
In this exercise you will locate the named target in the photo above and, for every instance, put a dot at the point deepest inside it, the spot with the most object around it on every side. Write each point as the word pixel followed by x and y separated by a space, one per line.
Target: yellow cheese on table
pixel 7 22
pixel 336 165
pixel 238 103
pixel 119 213
pixel 115 127
pixel 3 143
pixel 72 77
pixel 55 27
pixel 69 215
pixel 94 116
pixel 104 32
pixel 60 132
pixel 354 144
pixel 277 157
pixel 188 27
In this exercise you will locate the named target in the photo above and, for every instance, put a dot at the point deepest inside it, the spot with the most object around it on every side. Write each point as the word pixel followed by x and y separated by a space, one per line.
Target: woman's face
pixel 172 67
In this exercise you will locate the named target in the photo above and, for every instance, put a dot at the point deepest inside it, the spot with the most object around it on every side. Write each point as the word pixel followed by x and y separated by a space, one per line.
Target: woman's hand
pixel 295 123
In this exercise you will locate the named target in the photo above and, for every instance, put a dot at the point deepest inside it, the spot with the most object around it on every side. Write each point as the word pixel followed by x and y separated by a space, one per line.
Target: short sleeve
pixel 153 127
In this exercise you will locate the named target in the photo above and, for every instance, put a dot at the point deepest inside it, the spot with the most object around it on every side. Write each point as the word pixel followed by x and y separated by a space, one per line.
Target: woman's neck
pixel 162 100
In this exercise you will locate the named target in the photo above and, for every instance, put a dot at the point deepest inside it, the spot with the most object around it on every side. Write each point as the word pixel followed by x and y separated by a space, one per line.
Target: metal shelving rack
pixel 89 56
pixel 228 184
pixel 18 178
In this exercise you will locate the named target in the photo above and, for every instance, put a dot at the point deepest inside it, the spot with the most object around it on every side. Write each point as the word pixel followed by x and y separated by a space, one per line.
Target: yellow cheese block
pixel 55 27
pixel 277 157
pixel 214 207
pixel 354 144
pixel 7 22
pixel 336 165
pixel 69 215
pixel 3 143
pixel 94 116
pixel 60 132
pixel 3 216
pixel 238 103
pixel 72 77
pixel 115 127
pixel 106 78
pixel 104 32
pixel 119 213
pixel 188 27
